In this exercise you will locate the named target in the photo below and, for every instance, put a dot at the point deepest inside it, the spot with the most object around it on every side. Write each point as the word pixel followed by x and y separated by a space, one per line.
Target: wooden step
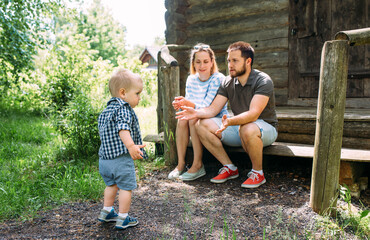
pixel 288 150
pixel 298 125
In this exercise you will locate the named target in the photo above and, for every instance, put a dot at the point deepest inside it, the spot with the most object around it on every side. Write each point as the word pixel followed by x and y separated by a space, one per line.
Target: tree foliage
pixel 106 35
pixel 22 27
pixel 72 71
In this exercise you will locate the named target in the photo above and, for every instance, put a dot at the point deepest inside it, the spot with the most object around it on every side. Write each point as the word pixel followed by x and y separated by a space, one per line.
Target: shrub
pixel 79 123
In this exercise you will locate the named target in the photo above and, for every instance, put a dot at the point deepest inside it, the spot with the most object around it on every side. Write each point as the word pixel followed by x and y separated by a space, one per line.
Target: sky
pixel 143 19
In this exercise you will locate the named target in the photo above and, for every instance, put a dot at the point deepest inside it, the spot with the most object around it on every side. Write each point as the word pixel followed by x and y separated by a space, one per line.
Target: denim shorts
pixel 230 136
pixel 120 171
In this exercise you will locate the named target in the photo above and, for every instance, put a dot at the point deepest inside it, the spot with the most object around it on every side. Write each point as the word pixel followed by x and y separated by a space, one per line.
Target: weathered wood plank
pixel 280 91
pixel 306 151
pixel 249 23
pixel 367 87
pixel 348 142
pixel 222 41
pixel 260 46
pixel 351 129
pixel 200 13
pixel 278 75
pixel 288 150
pixel 270 60
pixel 311 102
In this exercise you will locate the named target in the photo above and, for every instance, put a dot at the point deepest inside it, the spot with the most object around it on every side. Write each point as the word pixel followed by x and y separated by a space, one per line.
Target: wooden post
pixel 170 89
pixel 160 90
pixel 329 125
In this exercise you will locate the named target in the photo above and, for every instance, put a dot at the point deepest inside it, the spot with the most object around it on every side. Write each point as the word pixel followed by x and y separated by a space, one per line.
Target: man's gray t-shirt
pixel 240 96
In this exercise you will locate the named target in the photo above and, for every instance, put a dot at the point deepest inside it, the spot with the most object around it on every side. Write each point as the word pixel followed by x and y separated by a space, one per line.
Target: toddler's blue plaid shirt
pixel 118 115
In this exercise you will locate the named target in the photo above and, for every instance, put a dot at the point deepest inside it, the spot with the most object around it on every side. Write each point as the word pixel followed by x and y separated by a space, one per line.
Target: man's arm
pixel 256 107
pixel 133 149
pixel 208 112
pixel 258 103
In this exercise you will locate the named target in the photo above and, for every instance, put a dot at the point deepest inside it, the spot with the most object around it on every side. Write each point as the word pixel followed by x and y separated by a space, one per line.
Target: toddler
pixel 120 144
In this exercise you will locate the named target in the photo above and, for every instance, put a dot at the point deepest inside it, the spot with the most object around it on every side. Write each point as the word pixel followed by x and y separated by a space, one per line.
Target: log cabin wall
pixel 264 24
pixel 287 36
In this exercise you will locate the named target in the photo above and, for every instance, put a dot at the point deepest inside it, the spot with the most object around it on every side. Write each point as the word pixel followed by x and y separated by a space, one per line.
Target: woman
pixel 201 88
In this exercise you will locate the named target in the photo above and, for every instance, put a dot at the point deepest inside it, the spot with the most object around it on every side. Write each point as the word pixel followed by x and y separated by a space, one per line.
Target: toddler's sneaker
pixel 123 223
pixel 254 180
pixel 225 174
pixel 106 216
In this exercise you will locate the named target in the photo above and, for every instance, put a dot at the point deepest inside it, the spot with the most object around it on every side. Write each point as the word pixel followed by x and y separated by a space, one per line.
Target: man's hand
pixel 187 113
pixel 135 151
pixel 225 124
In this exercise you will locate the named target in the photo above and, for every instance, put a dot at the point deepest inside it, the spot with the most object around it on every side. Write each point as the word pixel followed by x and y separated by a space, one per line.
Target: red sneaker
pixel 225 174
pixel 254 180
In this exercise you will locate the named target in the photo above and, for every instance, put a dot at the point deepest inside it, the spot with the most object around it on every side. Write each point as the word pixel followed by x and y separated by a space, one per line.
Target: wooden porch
pixel 296 139
pixel 297 134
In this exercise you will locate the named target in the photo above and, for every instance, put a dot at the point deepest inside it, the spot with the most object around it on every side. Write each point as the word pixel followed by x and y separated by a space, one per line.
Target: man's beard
pixel 239 73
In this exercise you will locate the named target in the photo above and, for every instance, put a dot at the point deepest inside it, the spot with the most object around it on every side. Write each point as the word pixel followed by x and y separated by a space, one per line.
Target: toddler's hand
pixel 135 151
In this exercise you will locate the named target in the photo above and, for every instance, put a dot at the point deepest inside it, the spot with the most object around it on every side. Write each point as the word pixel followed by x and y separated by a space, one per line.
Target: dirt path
pixel 193 210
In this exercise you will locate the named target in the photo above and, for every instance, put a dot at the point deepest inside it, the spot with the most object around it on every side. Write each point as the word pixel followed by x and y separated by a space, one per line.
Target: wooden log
pixel 355 37
pixel 353 129
pixel 255 38
pixel 260 45
pixel 296 138
pixel 167 58
pixel 249 23
pixel 176 19
pixel 311 102
pixel 193 3
pixel 170 91
pixel 329 125
pixel 176 6
pixel 271 60
pixel 278 75
pixel 237 8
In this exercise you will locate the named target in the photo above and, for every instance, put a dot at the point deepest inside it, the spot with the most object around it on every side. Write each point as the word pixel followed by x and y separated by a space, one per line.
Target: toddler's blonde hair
pixel 122 78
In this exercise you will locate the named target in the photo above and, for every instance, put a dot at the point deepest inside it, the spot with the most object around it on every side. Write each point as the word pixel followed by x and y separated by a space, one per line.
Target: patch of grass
pixel 31 177
pixel 34 174
pixel 148 125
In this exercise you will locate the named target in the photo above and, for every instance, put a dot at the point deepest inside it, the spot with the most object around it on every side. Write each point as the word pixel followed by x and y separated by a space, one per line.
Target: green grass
pixel 34 177
pixel 31 177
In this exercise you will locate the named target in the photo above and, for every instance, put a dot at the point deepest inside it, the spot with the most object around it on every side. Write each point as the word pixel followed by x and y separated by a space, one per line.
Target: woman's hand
pixel 187 113
pixel 177 102
pixel 224 125
pixel 181 102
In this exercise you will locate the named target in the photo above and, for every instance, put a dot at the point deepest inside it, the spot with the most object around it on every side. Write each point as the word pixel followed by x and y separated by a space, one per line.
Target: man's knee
pixel 249 131
pixel 205 124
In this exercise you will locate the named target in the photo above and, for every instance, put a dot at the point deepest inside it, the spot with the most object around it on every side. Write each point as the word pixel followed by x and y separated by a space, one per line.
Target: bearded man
pixel 253 125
